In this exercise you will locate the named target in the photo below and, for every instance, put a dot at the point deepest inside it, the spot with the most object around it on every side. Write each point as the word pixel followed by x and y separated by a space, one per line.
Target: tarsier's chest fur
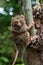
pixel 22 39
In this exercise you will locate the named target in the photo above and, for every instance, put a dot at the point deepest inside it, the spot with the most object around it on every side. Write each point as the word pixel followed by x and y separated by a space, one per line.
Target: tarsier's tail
pixel 15 58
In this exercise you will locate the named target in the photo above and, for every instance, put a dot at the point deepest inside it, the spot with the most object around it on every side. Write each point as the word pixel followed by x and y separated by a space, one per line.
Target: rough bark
pixel 31 57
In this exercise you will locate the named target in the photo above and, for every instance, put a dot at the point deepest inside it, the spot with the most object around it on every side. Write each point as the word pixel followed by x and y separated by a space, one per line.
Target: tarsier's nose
pixel 19 24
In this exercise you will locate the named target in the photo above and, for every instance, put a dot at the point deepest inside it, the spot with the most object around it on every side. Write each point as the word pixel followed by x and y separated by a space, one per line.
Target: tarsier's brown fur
pixel 20 34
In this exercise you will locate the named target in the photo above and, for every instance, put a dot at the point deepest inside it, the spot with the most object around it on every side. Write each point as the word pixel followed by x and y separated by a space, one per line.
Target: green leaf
pixel 4 59
pixel 1 63
pixel 19 64
pixel 2 2
pixel 2 50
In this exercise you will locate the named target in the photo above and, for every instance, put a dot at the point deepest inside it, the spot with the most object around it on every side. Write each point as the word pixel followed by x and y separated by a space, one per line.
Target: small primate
pixel 20 34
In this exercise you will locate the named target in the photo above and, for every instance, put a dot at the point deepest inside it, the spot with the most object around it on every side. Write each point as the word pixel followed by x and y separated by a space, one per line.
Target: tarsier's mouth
pixel 17 27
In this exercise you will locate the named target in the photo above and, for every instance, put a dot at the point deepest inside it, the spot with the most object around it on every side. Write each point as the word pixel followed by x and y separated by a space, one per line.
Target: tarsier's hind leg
pixel 31 57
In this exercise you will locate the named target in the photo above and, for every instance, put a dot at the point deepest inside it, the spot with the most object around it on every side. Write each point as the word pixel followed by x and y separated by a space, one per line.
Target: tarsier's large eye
pixel 15 23
pixel 21 21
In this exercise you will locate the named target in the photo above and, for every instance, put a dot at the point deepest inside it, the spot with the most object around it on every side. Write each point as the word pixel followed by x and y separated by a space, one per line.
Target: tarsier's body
pixel 20 34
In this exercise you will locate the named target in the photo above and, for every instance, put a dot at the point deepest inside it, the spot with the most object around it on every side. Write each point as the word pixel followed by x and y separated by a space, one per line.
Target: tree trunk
pixel 31 56
pixel 28 14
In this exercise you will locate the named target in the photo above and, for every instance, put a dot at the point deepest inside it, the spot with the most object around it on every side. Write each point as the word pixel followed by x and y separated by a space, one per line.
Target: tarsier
pixel 20 34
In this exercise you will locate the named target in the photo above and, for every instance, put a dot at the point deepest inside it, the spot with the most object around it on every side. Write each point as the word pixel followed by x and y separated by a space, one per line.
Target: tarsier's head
pixel 17 22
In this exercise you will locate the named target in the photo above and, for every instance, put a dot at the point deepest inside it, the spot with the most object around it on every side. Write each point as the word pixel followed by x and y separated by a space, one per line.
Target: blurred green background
pixel 9 8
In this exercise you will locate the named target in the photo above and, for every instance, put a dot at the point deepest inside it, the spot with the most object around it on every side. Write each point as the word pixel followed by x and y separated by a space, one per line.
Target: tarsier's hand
pixel 32 24
pixel 33 38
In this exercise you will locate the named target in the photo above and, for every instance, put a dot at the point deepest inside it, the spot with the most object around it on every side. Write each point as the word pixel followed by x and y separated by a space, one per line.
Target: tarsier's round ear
pixel 23 17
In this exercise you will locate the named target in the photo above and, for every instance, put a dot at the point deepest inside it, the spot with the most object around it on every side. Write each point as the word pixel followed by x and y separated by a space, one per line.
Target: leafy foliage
pixel 7 48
